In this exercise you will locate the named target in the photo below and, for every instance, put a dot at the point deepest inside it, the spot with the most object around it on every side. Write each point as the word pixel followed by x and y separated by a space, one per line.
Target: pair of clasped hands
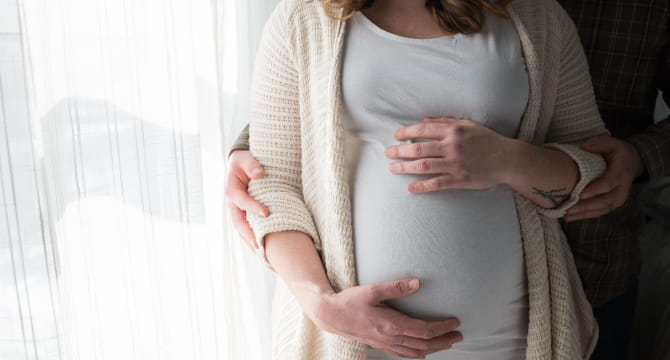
pixel 463 155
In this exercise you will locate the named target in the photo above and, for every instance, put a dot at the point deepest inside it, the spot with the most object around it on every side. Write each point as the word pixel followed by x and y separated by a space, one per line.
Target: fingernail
pixel 255 171
pixel 414 284
pixel 261 212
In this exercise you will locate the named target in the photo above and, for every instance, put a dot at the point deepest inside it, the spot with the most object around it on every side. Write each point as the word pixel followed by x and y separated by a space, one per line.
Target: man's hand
pixel 611 190
pixel 360 313
pixel 243 168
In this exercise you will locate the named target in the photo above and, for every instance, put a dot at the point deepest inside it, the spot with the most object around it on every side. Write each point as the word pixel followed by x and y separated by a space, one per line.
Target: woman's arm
pixel 288 239
pixel 467 155
pixel 358 312
pixel 544 175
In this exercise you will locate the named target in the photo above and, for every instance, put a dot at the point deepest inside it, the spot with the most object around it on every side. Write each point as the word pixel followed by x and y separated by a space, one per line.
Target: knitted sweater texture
pixel 296 133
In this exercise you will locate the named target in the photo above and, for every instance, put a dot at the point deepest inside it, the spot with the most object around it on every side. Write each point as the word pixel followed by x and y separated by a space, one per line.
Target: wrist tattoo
pixel 556 196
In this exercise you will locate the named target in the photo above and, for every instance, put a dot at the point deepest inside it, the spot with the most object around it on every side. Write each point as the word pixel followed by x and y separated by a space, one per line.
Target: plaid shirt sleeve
pixel 242 142
pixel 653 144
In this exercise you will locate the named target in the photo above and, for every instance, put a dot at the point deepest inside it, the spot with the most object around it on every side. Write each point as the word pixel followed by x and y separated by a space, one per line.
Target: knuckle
pixel 389 328
pixel 417 150
pixel 379 330
pixel 610 184
pixel 431 332
pixel 421 129
pixel 423 165
pixel 425 345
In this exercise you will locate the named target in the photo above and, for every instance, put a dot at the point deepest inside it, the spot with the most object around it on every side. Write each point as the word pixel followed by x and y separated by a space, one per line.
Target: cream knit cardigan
pixel 297 134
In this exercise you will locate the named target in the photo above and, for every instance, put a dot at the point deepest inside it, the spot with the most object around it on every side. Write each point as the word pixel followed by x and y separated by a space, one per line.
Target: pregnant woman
pixel 485 100
pixel 464 245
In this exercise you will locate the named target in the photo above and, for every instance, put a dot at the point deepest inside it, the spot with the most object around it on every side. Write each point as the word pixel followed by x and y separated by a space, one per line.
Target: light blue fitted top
pixel 464 245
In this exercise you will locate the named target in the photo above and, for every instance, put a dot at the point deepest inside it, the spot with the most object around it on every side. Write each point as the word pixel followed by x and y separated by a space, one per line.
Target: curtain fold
pixel 116 120
pixel 29 294
pixel 116 117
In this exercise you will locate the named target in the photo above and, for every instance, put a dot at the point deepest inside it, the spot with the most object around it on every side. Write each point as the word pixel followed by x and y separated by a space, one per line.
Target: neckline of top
pixel 360 17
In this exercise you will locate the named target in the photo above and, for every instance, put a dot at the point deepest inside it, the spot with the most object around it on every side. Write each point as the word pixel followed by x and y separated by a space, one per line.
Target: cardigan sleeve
pixel 274 130
pixel 576 117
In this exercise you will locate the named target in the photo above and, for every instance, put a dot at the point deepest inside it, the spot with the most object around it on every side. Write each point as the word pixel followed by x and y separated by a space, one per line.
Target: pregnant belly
pixel 464 245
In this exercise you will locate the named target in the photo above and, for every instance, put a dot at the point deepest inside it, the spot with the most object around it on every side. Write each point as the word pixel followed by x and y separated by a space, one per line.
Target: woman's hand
pixel 360 313
pixel 466 155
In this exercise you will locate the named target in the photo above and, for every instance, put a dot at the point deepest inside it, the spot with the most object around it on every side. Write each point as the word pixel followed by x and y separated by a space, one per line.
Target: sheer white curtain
pixel 115 120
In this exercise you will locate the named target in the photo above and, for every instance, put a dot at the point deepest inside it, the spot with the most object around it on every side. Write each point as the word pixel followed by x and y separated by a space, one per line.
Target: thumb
pixel 599 144
pixel 251 167
pixel 442 120
pixel 395 289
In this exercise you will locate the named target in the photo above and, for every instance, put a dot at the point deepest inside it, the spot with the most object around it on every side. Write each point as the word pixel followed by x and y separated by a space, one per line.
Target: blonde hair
pixel 454 16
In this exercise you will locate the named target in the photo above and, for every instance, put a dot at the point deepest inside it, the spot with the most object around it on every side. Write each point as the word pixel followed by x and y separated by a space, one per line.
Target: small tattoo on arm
pixel 555 196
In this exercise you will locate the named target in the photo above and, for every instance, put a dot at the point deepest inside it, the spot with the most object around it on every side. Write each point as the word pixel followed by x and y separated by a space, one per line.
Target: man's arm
pixel 640 158
pixel 242 142
pixel 653 144
pixel 242 168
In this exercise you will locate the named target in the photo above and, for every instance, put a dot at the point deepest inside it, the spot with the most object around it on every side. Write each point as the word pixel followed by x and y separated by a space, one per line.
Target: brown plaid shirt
pixel 627 43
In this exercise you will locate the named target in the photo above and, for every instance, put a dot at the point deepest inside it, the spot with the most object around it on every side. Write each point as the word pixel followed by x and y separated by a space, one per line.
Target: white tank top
pixel 464 245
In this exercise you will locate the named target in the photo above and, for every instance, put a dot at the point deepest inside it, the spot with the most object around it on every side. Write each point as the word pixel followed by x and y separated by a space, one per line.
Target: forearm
pixel 545 176
pixel 295 259
pixel 653 146
pixel 242 142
